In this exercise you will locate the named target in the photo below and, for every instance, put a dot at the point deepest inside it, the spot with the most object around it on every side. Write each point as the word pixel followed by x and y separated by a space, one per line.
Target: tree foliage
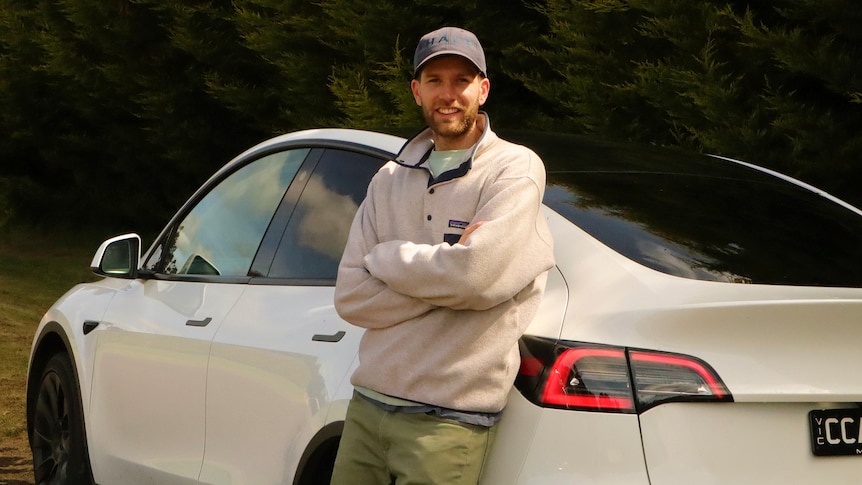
pixel 772 82
pixel 115 111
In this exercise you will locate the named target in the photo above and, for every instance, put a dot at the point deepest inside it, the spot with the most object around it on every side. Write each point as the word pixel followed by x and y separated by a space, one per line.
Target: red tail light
pixel 612 379
pixel 595 378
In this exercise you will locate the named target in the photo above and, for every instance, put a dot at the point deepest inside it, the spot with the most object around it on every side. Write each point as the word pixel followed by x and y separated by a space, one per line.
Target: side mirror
pixel 118 257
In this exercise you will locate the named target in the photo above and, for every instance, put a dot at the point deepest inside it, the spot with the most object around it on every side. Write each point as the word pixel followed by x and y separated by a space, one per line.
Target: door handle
pixel 329 338
pixel 199 323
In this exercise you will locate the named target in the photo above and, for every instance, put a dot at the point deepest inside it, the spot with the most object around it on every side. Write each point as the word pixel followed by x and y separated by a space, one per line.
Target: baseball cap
pixel 449 41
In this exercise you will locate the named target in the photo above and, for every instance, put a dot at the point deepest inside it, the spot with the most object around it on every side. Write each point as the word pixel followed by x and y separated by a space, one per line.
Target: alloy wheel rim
pixel 51 432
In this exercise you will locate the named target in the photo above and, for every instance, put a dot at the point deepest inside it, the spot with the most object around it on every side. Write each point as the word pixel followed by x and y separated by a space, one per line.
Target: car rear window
pixel 704 218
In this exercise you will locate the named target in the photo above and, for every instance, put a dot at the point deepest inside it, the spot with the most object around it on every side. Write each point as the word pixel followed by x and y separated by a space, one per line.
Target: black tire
pixel 57 437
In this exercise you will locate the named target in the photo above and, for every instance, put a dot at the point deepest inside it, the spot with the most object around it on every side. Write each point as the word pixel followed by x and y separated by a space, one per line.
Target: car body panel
pixel 82 303
pixel 536 446
pixel 274 368
pixel 148 399
pixel 548 321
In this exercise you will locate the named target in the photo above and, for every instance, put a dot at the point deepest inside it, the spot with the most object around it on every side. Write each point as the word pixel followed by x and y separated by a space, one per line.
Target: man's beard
pixel 456 128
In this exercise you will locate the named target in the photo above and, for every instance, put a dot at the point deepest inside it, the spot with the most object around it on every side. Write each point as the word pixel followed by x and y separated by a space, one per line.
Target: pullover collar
pixel 416 150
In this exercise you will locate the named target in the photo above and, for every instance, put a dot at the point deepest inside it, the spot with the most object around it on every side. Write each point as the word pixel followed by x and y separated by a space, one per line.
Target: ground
pixel 36 268
pixel 15 465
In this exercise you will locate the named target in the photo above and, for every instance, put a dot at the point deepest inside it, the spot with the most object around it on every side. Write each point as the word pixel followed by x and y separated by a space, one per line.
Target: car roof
pixel 333 136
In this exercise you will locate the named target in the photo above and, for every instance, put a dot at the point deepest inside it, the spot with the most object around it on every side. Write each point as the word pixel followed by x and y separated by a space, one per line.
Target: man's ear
pixel 484 90
pixel 414 86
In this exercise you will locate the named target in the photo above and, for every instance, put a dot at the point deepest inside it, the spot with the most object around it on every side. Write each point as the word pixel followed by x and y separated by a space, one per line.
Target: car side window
pixel 317 232
pixel 221 234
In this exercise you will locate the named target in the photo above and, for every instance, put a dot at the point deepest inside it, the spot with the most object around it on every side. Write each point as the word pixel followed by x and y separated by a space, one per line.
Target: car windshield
pixel 701 217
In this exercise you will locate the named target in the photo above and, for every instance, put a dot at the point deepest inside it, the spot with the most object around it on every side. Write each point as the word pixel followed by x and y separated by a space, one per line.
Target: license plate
pixel 836 431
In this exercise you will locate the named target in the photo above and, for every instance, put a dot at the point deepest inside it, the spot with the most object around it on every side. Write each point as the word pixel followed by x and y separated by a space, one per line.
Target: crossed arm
pixel 381 284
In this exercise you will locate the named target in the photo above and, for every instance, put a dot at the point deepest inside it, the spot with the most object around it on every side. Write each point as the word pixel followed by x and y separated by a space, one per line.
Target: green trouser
pixel 380 447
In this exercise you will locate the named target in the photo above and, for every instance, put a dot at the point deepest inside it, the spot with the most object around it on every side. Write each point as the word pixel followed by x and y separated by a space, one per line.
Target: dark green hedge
pixel 113 112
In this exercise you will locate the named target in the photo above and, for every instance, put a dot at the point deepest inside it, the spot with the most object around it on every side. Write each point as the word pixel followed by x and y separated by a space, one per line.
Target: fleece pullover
pixel 443 319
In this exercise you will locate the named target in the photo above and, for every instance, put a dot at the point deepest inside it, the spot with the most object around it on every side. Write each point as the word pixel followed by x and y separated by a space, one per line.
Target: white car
pixel 703 325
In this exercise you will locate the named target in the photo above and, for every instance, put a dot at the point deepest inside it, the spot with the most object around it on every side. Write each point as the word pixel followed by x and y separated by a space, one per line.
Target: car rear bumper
pixel 671 444
pixel 541 446
pixel 739 443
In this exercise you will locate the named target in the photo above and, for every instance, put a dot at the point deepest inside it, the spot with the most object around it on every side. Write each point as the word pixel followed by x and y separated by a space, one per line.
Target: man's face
pixel 450 92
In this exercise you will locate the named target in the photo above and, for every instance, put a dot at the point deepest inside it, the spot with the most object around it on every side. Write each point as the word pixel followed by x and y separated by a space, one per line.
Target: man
pixel 444 267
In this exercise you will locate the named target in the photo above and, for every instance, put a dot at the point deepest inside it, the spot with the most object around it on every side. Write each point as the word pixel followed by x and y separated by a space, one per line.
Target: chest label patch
pixel 458 224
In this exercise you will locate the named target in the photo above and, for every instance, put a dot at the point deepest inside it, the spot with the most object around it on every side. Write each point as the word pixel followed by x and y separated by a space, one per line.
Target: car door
pixel 282 352
pixel 153 343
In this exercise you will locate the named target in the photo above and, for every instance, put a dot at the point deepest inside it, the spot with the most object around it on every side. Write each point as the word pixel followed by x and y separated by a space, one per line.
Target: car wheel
pixel 57 438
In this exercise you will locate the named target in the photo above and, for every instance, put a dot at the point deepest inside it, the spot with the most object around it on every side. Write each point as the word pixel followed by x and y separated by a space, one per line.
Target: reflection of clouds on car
pixel 218 229
pixel 678 261
pixel 323 213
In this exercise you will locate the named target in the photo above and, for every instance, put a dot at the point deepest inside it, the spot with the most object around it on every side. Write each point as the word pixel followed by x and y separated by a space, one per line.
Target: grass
pixel 36 268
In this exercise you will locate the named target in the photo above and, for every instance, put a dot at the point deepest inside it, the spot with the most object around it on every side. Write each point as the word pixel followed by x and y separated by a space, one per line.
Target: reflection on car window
pixel 221 234
pixel 317 232
pixel 703 218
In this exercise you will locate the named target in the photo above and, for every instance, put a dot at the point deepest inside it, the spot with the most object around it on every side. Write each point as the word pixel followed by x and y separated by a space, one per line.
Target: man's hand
pixel 469 230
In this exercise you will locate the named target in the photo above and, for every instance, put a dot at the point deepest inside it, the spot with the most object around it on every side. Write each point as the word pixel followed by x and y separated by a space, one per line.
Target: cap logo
pixel 445 39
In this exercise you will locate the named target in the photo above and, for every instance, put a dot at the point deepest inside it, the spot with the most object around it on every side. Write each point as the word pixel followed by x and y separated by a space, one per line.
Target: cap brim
pixel 447 53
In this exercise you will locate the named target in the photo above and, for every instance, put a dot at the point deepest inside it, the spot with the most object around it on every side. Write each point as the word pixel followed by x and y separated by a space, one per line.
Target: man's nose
pixel 449 91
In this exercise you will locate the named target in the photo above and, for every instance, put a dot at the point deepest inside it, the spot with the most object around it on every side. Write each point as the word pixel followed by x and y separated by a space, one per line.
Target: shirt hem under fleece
pixel 486 420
